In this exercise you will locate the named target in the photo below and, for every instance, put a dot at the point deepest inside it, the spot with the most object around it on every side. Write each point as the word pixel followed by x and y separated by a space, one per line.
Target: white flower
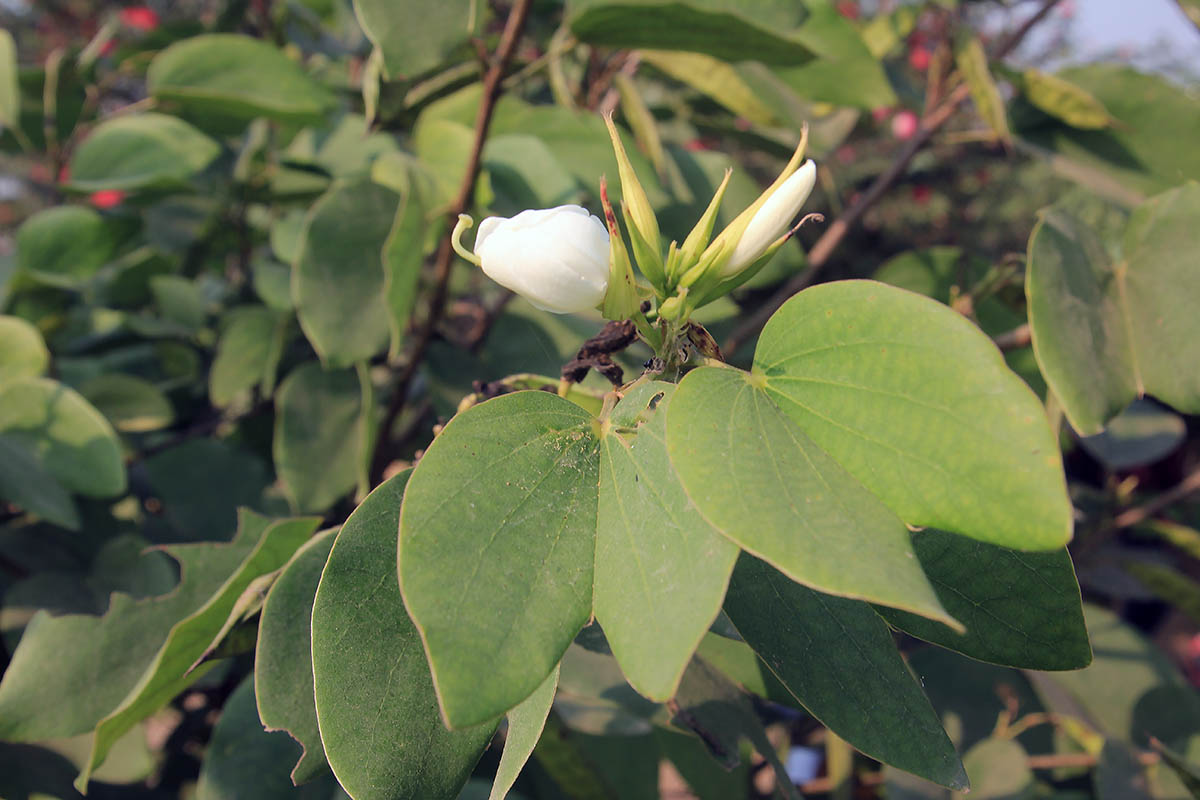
pixel 557 258
pixel 773 219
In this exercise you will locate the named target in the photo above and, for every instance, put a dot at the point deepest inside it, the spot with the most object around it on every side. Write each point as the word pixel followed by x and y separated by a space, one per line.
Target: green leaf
pixel 64 245
pixel 762 482
pixel 500 518
pixel 593 695
pixel 66 434
pixel 1141 434
pixel 317 448
pixel 1191 9
pixel 972 63
pixel 201 484
pixel 525 724
pixel 707 779
pixel 131 404
pixel 999 770
pixel 1106 331
pixel 28 484
pixel 23 352
pixel 915 402
pixel 715 709
pixel 10 90
pixel 1169 585
pixel 1020 609
pixel 838 658
pixel 180 301
pixel 243 760
pixel 248 353
pixel 715 78
pixel 1189 774
pixel 338 280
pixel 721 30
pixel 415 37
pixel 1064 100
pixel 1131 691
pixel 402 257
pixel 140 151
pixel 845 72
pixel 1144 151
pixel 661 569
pixel 229 75
pixel 283 671
pixel 375 702
pixel 69 671
pixel 35 773
pixel 169 673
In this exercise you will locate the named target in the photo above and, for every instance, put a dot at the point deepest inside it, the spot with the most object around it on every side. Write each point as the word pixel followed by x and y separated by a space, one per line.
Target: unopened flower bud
pixel 557 258
pixel 773 219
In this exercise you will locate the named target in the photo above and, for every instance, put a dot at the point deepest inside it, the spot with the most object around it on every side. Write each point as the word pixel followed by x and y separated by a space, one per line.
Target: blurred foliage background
pixel 225 283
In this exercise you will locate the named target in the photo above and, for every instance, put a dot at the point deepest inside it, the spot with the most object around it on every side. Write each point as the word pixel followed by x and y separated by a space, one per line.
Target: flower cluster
pixel 566 260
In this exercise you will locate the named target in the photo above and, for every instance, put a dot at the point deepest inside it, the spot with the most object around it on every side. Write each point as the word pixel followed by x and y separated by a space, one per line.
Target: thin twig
pixel 444 259
pixel 836 232
pixel 1015 339
pixel 1139 514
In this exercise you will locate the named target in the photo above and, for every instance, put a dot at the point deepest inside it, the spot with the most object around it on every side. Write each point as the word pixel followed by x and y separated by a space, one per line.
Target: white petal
pixel 774 218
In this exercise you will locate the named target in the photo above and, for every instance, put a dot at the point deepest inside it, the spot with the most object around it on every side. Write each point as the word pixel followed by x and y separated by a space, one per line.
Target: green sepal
pixel 648 259
pixel 698 239
pixel 633 196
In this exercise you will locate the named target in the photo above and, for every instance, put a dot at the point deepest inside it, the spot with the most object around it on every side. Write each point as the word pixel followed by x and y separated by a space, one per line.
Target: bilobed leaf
pixel 169 673
pixel 139 151
pixel 338 280
pixel 131 404
pixel 972 63
pixel 375 702
pixel 761 481
pixel 916 403
pixel 283 671
pixel 525 725
pixel 1107 331
pixel 69 671
pixel 717 29
pixel 317 447
pixel 64 245
pixel 248 353
pixel 23 352
pixel 661 569
pixel 1020 609
pixel 838 658
pixel 500 518
pixel 66 434
pixel 1060 98
pixel 243 760
pixel 233 75
pixel 414 37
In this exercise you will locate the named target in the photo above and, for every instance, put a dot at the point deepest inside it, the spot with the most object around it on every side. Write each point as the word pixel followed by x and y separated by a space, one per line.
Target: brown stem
pixel 444 259
pixel 836 232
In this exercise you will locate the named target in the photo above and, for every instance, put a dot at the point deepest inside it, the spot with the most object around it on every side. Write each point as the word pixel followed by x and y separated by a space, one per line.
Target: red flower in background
pixel 918 58
pixel 139 18
pixel 107 198
pixel 904 125
pixel 921 194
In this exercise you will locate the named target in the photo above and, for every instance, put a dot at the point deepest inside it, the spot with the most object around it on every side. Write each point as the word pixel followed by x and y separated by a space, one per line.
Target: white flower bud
pixel 773 219
pixel 557 258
